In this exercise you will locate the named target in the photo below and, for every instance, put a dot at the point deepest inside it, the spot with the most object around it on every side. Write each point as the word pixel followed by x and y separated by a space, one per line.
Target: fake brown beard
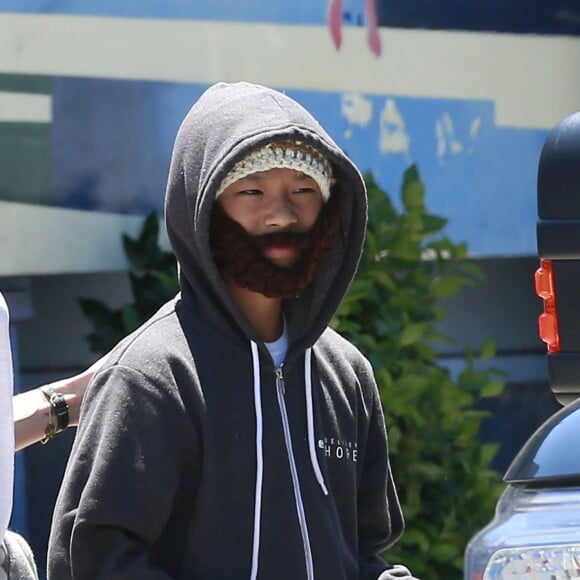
pixel 239 255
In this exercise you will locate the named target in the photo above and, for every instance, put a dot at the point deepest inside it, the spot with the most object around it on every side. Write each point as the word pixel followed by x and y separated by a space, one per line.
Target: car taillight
pixel 548 321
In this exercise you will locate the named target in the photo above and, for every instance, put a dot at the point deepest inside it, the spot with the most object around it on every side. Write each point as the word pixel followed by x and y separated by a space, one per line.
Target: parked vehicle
pixel 535 533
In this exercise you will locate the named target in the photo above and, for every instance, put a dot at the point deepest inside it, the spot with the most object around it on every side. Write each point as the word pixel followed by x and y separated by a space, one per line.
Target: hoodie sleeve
pixel 380 520
pixel 121 481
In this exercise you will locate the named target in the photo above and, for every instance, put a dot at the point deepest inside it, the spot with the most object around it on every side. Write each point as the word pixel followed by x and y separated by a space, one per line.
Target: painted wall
pixel 92 93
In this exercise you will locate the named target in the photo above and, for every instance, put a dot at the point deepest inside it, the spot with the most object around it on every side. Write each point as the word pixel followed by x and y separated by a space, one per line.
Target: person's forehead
pixel 277 172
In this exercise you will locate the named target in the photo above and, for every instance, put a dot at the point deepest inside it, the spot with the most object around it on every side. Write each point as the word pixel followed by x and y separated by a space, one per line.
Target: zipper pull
pixel 280 381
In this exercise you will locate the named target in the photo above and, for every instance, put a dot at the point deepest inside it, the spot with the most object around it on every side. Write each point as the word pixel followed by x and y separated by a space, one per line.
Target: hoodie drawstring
pixel 259 461
pixel 310 421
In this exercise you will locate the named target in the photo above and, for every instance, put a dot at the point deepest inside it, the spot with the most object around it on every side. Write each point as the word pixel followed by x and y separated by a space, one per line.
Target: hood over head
pixel 223 126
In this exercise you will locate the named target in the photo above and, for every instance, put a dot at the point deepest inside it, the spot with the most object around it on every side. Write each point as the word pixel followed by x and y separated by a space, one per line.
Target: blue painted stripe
pixel 560 17
pixel 114 157
pixel 295 12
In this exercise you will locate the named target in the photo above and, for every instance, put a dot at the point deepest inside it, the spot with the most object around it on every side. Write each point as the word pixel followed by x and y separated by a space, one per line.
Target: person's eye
pixel 250 192
pixel 305 190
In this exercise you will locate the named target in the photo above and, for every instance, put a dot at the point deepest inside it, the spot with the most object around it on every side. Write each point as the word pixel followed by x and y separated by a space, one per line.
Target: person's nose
pixel 281 213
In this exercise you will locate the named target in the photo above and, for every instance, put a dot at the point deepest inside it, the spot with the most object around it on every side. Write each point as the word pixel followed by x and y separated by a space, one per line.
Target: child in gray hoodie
pixel 235 435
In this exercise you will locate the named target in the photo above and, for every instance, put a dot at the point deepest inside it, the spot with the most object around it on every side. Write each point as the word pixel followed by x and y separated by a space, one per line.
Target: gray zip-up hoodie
pixel 195 457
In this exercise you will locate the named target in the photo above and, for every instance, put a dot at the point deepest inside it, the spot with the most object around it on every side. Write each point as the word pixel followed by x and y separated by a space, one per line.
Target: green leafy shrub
pixel 443 470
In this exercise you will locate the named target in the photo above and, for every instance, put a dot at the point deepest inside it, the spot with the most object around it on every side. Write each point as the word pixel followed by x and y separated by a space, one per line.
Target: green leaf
pixel 418 539
pixel 130 318
pixel 413 196
pixel 488 349
pixel 412 333
pixel 433 224
pixel 488 452
pixel 447 286
pixel 492 389
pixel 443 552
pixel 383 278
pixel 168 280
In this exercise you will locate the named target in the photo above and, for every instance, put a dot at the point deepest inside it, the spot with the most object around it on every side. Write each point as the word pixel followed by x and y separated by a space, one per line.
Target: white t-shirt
pixel 279 347
pixel 6 422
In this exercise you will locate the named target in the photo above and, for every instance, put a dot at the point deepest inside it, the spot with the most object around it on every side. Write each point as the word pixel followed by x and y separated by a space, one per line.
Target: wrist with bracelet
pixel 58 413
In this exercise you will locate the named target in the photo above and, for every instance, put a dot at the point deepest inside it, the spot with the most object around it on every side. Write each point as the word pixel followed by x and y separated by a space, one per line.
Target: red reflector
pixel 544 285
pixel 548 328
pixel 548 321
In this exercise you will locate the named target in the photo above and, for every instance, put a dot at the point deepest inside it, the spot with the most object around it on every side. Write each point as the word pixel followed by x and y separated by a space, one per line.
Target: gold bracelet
pixel 58 412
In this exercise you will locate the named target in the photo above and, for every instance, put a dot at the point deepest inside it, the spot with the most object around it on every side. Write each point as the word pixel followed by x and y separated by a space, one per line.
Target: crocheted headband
pixel 286 155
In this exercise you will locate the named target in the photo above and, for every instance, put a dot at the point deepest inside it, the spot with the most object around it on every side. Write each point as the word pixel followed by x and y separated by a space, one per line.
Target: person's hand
pixel 397 572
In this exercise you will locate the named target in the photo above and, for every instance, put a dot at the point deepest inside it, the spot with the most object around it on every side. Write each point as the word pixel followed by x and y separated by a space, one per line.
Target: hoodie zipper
pixel 281 390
